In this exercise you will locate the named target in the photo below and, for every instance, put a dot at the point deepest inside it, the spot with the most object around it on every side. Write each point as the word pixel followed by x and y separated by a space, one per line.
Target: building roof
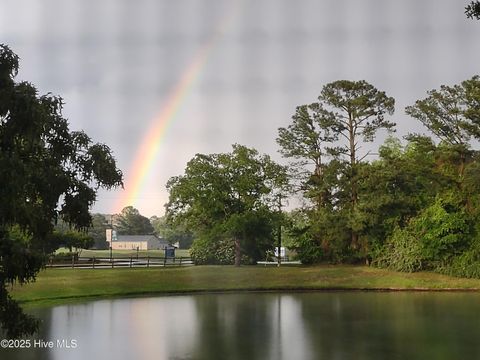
pixel 138 238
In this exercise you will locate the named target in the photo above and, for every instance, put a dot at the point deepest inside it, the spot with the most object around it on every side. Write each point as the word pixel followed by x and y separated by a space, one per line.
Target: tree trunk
pixel 353 181
pixel 238 252
pixel 354 240
pixel 461 170
pixel 321 197
pixel 354 199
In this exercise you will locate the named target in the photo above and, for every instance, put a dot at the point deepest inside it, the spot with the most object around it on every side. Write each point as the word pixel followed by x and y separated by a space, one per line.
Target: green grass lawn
pixel 57 286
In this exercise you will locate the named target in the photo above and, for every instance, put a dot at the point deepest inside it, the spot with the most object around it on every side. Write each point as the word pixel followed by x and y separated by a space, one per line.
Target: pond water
pixel 326 325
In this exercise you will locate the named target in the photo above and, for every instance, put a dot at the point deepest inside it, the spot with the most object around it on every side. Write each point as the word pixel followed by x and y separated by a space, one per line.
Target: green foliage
pixel 304 141
pixel 64 256
pixel 444 231
pixel 64 235
pixel 212 250
pixel 307 248
pixel 305 138
pixel 444 111
pixel 403 252
pixel 396 187
pixel 359 109
pixel 410 209
pixel 20 258
pixel 173 233
pixel 14 321
pixel 321 236
pixel 465 265
pixel 452 114
pixel 97 231
pixel 432 240
pixel 131 222
pixel 346 113
pixel 294 224
pixel 217 246
pixel 233 195
pixel 71 239
pixel 472 100
pixel 47 172
pixel 258 230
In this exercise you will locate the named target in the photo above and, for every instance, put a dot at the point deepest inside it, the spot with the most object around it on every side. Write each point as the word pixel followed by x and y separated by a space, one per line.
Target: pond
pixel 318 325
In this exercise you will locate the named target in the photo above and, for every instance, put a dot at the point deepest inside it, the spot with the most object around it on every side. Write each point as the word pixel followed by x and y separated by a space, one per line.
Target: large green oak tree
pixel 47 172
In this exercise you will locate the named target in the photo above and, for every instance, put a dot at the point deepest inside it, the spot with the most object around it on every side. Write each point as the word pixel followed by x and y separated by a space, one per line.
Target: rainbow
pixel 147 153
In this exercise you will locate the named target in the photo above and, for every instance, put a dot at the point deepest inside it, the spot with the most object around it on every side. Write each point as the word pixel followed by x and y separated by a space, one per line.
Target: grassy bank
pixel 55 286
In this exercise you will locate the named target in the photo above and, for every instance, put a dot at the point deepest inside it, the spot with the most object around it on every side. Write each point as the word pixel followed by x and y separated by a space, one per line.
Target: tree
pixel 358 109
pixel 131 222
pixel 452 115
pixel 173 233
pixel 348 110
pixel 304 140
pixel 98 231
pixel 48 172
pixel 397 186
pixel 229 196
pixel 472 102
pixel 432 240
pixel 64 235
pixel 416 216
pixel 473 10
pixel 72 239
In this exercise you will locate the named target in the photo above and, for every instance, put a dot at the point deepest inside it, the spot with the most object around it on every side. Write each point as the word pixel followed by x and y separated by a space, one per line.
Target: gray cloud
pixel 116 62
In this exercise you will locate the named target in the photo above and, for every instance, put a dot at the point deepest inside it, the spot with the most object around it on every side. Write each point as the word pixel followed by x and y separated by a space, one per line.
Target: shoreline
pixel 60 301
pixel 61 286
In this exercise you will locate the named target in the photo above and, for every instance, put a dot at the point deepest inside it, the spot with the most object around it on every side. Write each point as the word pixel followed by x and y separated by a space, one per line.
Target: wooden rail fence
pixel 117 262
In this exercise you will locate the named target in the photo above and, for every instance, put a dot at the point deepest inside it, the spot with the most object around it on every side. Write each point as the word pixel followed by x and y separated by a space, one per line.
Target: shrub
pixel 444 231
pixel 213 251
pixel 465 265
pixel 437 239
pixel 402 253
pixel 308 250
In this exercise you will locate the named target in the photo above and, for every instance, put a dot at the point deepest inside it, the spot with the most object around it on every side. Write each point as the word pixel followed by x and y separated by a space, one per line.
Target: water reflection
pixel 393 325
pixel 265 326
pixel 249 326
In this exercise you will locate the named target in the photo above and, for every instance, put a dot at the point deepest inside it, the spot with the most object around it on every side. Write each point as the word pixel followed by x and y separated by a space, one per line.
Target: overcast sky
pixel 115 62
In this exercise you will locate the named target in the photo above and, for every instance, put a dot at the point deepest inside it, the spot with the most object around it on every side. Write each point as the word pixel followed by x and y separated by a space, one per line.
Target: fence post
pixel 180 261
pixel 165 260
pixel 112 260
pixel 148 261
pixel 73 261
pixel 93 263
pixel 130 261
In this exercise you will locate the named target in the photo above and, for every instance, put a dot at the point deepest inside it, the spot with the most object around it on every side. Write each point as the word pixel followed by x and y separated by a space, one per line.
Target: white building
pixel 134 242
